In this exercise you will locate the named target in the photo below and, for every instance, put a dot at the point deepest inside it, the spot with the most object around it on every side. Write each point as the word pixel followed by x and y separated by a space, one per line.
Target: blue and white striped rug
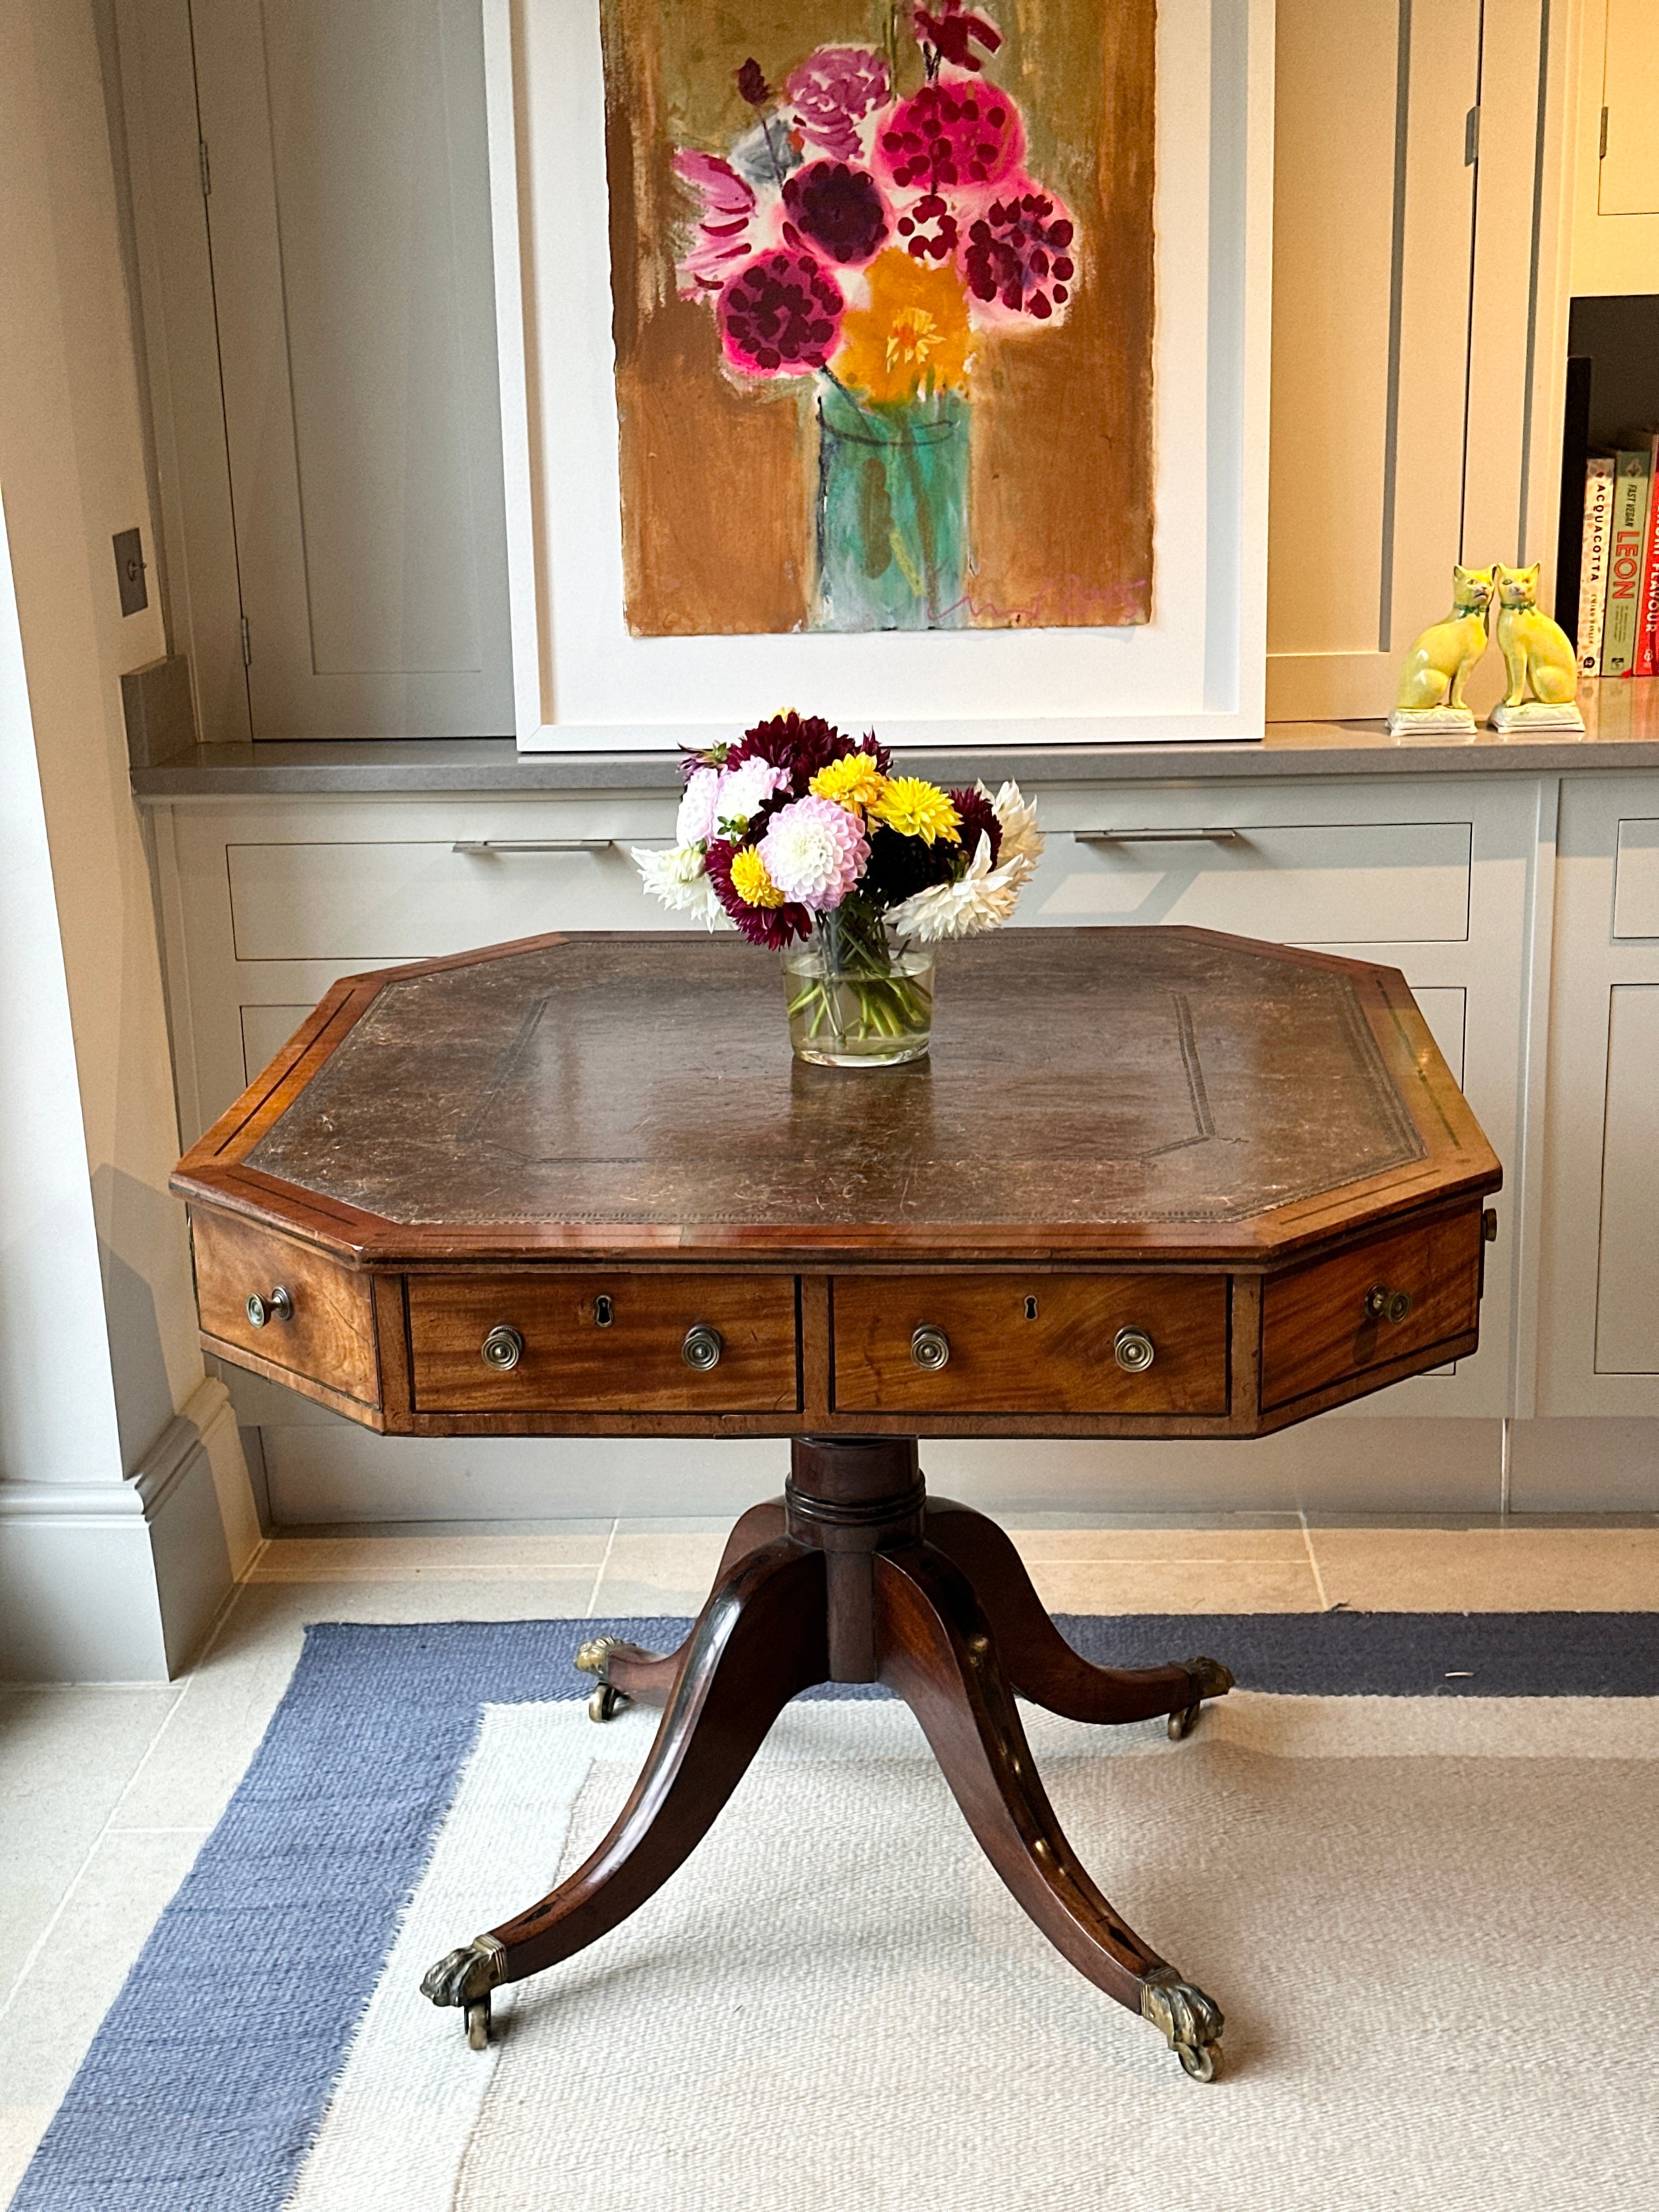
pixel 1415 1856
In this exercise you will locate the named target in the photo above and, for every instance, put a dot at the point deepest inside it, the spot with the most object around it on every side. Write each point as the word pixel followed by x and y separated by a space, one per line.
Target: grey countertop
pixel 1622 732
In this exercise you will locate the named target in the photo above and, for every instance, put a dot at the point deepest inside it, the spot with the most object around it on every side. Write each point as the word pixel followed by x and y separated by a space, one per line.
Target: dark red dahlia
pixel 952 32
pixel 899 866
pixel 802 744
pixel 1019 254
pixel 951 135
pixel 780 314
pixel 771 927
pixel 838 211
pixel 978 819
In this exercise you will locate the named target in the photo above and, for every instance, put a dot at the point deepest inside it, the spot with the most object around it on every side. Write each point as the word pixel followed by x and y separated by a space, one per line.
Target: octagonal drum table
pixel 1150 1183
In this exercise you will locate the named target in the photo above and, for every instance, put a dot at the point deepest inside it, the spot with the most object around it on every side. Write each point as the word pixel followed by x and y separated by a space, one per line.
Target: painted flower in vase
pixel 805 839
pixel 854 242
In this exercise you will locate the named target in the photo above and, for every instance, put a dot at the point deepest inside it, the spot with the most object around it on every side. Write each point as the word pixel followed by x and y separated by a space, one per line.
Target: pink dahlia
pixel 780 314
pixel 725 210
pixel 814 851
pixel 832 93
pixel 1020 258
pixel 953 136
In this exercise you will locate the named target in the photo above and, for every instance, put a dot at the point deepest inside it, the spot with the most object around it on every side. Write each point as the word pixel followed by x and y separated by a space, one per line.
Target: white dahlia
pixel 982 898
pixel 697 816
pixel 743 790
pixel 679 878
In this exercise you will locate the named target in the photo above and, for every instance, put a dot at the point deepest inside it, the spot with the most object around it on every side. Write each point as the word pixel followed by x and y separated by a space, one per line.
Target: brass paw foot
pixel 466 1978
pixel 1189 2022
pixel 594 1657
pixel 1210 1679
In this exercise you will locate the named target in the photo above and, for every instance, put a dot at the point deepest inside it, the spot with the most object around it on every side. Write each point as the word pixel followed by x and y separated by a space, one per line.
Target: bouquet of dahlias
pixel 799 834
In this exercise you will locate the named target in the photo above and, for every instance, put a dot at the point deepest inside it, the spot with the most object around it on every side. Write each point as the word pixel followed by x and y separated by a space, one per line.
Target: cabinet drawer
pixel 418 900
pixel 328 1332
pixel 601 1342
pixel 1366 882
pixel 1030 1344
pixel 1316 1328
pixel 1636 880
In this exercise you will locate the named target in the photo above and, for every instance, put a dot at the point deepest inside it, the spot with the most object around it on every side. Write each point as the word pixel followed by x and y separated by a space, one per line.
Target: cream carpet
pixel 1433 1926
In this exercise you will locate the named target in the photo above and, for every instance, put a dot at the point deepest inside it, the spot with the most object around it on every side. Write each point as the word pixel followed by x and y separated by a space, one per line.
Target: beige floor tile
pixel 1489 1570
pixel 1176 1585
pixel 54 2013
pixel 1216 1543
pixel 417 1559
pixel 66 1754
pixel 669 1524
pixel 657 1572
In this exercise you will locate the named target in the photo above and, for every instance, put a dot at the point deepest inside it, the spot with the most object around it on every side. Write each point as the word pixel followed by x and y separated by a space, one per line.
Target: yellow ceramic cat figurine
pixel 1432 682
pixel 1539 656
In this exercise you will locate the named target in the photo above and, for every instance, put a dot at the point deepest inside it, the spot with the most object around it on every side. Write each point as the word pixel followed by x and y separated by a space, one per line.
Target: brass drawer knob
pixel 503 1348
pixel 930 1348
pixel 276 1305
pixel 1134 1350
pixel 702 1347
pixel 1383 1304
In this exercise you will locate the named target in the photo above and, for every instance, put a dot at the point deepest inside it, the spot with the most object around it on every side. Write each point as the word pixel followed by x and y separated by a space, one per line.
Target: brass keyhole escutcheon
pixel 1134 1350
pixel 1031 1308
pixel 502 1349
pixel 276 1305
pixel 702 1347
pixel 604 1312
pixel 930 1347
pixel 1383 1304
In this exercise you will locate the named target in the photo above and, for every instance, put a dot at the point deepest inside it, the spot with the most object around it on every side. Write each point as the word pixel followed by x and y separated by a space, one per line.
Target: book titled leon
pixel 1627 557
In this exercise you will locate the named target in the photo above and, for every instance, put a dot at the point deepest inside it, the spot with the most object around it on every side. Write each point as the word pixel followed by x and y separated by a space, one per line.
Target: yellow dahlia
pixel 852 782
pixel 750 881
pixel 916 808
pixel 914 337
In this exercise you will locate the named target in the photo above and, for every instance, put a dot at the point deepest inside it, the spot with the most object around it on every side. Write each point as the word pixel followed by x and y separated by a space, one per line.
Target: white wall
pixel 101 1360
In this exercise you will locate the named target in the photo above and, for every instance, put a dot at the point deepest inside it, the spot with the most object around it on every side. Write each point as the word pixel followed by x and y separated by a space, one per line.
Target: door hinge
pixel 202 164
pixel 1601 151
pixel 247 650
pixel 1471 137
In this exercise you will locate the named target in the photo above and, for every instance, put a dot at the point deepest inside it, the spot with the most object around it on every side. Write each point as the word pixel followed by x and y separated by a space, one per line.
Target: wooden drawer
pixel 1337 883
pixel 1030 1343
pixel 1315 1327
pixel 328 1336
pixel 575 1361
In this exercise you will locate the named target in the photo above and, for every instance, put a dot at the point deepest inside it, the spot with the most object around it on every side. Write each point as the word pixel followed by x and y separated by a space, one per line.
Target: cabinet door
pixel 349 223
pixel 1599 1334
pixel 1615 222
pixel 1410 255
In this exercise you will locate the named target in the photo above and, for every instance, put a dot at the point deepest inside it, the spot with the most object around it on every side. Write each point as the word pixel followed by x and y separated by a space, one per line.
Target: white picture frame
pixel 1195 672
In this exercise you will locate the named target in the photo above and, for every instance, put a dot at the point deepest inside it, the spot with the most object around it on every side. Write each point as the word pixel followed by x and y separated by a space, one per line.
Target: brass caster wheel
pixel 606 1703
pixel 477 2024
pixel 1201 2060
pixel 1183 1723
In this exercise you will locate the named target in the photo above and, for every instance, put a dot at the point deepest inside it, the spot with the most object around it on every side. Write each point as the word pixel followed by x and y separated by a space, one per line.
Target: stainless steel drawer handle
pixel 487 845
pixel 1134 1350
pixel 503 1348
pixel 930 1348
pixel 1158 836
pixel 1383 1304
pixel 702 1347
pixel 276 1305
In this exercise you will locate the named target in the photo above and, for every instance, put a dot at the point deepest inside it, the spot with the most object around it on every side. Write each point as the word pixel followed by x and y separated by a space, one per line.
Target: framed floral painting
pixel 882 291
pixel 910 354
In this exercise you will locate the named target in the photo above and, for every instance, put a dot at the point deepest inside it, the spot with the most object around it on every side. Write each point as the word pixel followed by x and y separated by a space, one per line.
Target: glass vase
pixel 892 513
pixel 859 995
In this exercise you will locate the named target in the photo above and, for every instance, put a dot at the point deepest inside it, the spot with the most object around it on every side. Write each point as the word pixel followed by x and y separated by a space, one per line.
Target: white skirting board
pixel 119 1582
